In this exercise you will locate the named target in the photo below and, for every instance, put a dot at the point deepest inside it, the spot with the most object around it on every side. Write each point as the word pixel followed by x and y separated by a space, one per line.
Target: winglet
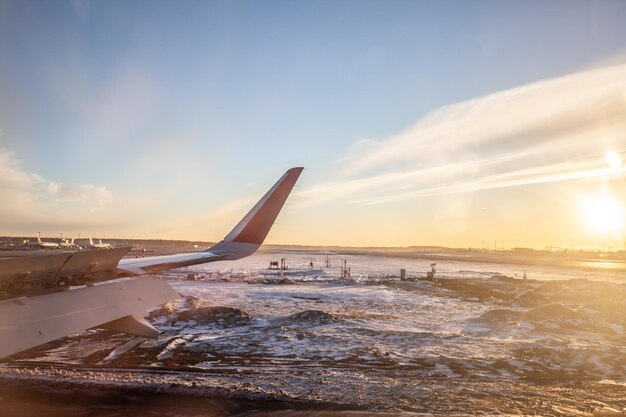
pixel 251 231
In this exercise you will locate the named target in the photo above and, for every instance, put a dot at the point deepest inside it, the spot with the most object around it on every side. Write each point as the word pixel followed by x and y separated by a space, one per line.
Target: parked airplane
pixel 46 245
pixel 45 313
pixel 68 244
pixel 99 245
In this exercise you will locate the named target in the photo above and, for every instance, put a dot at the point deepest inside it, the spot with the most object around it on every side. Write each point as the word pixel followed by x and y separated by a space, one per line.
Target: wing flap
pixel 137 326
pixel 28 322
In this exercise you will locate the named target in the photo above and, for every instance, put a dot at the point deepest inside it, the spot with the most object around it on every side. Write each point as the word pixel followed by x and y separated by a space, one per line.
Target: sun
pixel 605 215
pixel 613 159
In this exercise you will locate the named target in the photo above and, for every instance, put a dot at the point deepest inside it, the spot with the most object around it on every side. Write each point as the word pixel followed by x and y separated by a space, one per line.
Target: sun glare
pixel 605 215
pixel 613 159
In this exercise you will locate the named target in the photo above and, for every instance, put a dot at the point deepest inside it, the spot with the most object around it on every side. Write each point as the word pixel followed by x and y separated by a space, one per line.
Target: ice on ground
pixel 310 335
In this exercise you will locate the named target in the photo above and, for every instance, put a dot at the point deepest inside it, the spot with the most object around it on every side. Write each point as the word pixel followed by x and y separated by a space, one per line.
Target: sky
pixel 456 123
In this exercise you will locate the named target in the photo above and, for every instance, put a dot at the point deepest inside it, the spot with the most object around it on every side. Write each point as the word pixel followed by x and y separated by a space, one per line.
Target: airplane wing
pixel 242 241
pixel 29 274
pixel 27 322
pixel 32 321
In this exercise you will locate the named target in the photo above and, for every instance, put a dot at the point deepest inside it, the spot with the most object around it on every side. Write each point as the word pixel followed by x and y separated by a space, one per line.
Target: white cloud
pixel 553 130
pixel 30 201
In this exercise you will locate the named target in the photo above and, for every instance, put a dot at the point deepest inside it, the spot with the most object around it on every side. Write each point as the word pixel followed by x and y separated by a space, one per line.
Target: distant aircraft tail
pixel 91 241
pixel 39 237
pixel 251 231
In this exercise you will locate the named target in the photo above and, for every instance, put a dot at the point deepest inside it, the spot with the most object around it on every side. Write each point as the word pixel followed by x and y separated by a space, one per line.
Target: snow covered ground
pixel 493 344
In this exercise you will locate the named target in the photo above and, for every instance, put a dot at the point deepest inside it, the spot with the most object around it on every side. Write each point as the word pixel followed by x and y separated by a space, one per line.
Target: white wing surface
pixel 29 322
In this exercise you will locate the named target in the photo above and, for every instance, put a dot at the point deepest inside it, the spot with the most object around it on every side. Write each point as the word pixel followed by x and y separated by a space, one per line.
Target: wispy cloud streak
pixel 553 130
pixel 536 175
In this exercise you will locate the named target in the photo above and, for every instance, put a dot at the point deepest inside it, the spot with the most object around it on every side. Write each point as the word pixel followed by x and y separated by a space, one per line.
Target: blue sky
pixel 157 111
